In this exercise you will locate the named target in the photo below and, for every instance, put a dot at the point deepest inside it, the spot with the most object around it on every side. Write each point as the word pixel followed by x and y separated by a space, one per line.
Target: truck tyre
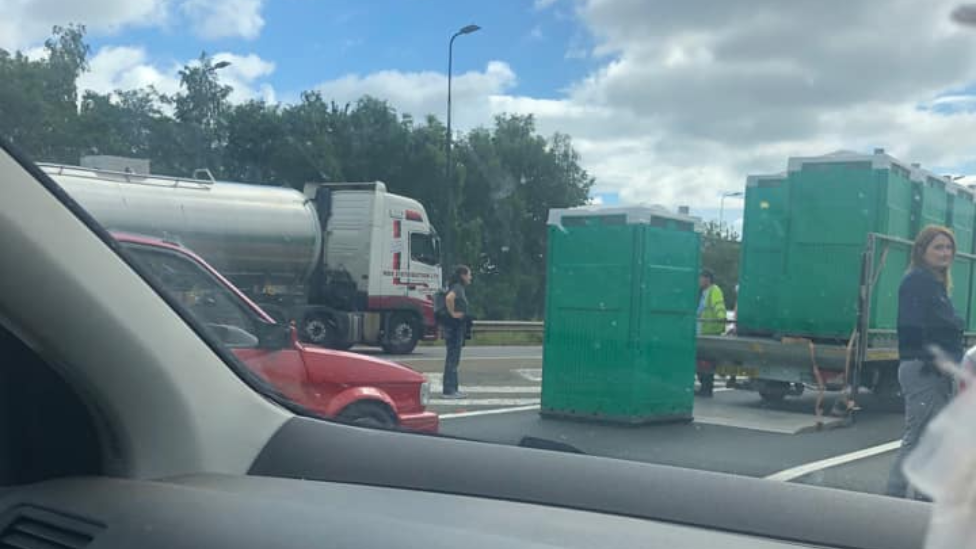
pixel 320 329
pixel 368 414
pixel 403 333
pixel 773 392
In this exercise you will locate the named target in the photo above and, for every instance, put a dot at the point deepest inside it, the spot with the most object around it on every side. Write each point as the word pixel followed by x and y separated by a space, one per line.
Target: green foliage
pixel 506 177
pixel 720 253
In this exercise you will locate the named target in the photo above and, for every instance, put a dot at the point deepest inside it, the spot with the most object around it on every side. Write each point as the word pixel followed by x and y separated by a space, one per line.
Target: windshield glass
pixel 723 236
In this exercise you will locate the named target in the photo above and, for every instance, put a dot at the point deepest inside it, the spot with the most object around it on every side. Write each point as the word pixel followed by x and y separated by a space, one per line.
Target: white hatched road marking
pixel 437 386
pixel 793 473
pixel 483 401
pixel 531 374
pixel 510 398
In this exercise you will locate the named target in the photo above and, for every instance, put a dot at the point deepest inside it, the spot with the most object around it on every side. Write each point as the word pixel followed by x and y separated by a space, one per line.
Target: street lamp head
pixel 469 29
pixel 221 65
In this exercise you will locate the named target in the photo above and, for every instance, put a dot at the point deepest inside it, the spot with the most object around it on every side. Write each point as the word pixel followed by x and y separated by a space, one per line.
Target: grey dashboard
pixel 223 511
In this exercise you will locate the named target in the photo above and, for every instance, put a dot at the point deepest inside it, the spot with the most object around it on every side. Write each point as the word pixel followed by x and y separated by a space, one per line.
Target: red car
pixel 349 387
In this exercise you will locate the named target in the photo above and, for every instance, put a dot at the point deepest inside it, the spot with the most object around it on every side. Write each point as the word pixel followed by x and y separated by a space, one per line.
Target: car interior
pixel 120 426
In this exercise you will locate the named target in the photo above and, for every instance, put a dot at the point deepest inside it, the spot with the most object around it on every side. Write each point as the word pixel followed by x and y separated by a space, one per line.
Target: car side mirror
pixel 274 337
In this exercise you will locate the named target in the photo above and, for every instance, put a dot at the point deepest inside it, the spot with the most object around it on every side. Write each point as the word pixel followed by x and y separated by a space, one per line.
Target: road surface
pixel 733 432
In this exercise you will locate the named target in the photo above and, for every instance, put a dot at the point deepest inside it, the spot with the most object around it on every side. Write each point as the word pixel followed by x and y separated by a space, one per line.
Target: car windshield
pixel 726 236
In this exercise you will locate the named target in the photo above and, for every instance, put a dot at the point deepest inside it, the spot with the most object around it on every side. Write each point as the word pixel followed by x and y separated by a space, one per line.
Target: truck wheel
pixel 368 414
pixel 773 392
pixel 402 336
pixel 320 329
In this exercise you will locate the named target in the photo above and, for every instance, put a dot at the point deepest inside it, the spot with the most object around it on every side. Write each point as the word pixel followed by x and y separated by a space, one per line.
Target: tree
pixel 720 254
pixel 201 108
pixel 123 123
pixel 512 178
pixel 507 177
pixel 38 98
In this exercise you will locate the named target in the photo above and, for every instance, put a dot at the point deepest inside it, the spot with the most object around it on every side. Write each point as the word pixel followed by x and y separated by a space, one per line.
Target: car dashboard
pixel 241 512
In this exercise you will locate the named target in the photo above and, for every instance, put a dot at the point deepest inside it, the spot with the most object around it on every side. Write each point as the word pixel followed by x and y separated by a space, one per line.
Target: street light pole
pixel 450 230
pixel 721 210
pixel 201 160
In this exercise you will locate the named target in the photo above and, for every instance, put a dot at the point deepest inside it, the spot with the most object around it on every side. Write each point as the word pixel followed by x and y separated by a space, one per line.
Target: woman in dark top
pixel 455 328
pixel 926 320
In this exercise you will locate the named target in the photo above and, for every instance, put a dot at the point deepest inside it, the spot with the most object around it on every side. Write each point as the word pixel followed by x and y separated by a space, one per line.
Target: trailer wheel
pixel 402 335
pixel 773 392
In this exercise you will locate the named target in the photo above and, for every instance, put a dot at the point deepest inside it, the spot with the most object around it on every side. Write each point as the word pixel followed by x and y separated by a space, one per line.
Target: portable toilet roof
pixel 879 160
pixel 756 180
pixel 629 215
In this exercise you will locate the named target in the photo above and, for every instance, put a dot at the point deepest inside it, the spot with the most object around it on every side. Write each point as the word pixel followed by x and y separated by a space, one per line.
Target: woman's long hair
pixel 922 243
pixel 459 271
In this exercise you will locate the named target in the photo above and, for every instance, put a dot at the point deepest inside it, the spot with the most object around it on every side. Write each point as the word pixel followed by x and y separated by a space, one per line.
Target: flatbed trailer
pixel 781 365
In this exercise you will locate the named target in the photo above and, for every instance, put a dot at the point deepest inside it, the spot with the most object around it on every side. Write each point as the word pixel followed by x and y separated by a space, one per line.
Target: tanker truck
pixel 349 263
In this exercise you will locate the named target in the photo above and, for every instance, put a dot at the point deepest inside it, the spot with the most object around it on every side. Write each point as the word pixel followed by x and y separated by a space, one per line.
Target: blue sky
pixel 313 41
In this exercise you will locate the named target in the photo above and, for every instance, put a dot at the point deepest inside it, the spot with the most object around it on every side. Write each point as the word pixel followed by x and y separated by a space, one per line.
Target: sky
pixel 670 103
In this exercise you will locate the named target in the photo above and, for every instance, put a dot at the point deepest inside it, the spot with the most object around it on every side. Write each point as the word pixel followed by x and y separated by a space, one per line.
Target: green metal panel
pixel 894 219
pixel 933 201
pixel 960 216
pixel 833 206
pixel 761 263
pixel 620 322
pixel 963 216
pixel 666 344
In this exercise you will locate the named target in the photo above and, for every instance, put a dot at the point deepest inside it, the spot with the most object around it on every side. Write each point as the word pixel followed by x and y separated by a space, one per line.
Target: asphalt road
pixel 734 432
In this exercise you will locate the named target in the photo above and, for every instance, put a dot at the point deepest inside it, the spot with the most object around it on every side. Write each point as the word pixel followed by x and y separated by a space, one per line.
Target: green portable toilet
pixel 931 200
pixel 942 202
pixel 763 253
pixel 835 201
pixel 621 304
pixel 960 216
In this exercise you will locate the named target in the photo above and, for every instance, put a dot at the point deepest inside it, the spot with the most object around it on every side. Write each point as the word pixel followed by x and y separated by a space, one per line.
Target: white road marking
pixel 531 374
pixel 483 401
pixel 803 470
pixel 437 386
pixel 490 412
pixel 489 389
pixel 408 360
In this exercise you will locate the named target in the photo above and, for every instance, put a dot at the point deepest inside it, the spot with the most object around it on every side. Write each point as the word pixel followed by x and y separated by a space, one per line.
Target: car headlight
pixel 425 393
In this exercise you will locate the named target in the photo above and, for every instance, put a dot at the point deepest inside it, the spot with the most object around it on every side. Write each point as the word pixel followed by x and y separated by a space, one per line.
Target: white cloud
pixel 242 74
pixel 543 4
pixel 692 97
pixel 124 68
pixel 127 67
pixel 27 23
pixel 225 19
pixel 423 93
